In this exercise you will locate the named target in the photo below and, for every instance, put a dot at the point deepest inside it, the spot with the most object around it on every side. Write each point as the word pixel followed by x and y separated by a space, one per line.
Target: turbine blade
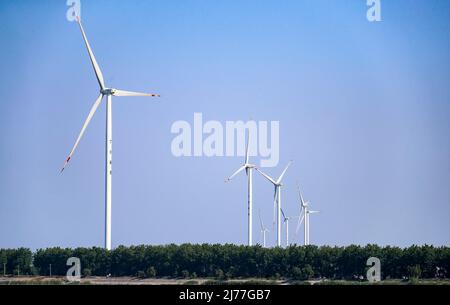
pixel 260 220
pixel 300 194
pixel 116 92
pixel 300 220
pixel 95 65
pixel 266 176
pixel 275 200
pixel 235 173
pixel 246 149
pixel 284 215
pixel 303 201
pixel 284 172
pixel 86 123
pixel 313 212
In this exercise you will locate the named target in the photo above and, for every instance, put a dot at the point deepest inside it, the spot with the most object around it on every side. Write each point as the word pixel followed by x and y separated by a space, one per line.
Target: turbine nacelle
pixel 107 91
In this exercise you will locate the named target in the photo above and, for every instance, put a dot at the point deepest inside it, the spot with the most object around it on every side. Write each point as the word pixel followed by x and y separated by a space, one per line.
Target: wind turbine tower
pixel 249 171
pixel 264 230
pixel 286 222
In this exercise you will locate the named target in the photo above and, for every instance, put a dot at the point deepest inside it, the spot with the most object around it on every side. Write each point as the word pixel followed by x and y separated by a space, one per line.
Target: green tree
pixel 307 272
pixel 414 272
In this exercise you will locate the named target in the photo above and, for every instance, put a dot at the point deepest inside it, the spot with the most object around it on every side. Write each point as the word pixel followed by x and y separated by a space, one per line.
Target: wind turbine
pixel 264 230
pixel 249 171
pixel 304 217
pixel 286 221
pixel 109 93
pixel 277 198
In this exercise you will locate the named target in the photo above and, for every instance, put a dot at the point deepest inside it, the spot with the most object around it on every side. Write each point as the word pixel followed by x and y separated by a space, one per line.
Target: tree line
pixel 233 261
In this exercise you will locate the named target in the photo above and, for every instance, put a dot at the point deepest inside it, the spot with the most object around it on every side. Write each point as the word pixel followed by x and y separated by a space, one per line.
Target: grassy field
pixel 39 280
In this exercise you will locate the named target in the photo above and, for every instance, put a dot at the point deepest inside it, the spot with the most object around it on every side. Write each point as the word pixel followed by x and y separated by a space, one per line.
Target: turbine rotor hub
pixel 107 91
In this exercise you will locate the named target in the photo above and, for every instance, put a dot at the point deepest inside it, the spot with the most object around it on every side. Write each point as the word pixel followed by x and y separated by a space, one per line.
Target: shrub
pixel 87 272
pixel 307 272
pixel 219 274
pixel 151 272
pixel 185 273
pixel 302 274
pixel 140 274
pixel 414 272
pixel 296 273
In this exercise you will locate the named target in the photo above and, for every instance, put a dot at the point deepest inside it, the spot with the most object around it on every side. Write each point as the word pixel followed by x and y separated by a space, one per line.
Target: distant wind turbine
pixel 277 198
pixel 249 171
pixel 304 217
pixel 286 222
pixel 264 230
pixel 108 92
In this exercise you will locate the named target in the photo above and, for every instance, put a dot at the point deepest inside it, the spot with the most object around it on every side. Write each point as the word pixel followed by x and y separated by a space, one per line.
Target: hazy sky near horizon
pixel 363 107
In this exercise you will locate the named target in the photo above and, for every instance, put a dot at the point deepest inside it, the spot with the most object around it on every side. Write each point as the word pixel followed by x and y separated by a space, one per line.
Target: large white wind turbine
pixel 249 171
pixel 108 92
pixel 277 198
pixel 304 217
pixel 264 230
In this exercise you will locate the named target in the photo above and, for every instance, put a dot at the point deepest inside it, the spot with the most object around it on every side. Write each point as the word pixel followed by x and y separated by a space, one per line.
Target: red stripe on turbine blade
pixel 65 164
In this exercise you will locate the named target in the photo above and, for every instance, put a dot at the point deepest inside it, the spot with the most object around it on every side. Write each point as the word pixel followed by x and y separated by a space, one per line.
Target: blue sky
pixel 363 109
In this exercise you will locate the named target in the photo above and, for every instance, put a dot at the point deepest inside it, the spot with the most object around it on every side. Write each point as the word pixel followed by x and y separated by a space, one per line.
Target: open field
pixel 95 280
